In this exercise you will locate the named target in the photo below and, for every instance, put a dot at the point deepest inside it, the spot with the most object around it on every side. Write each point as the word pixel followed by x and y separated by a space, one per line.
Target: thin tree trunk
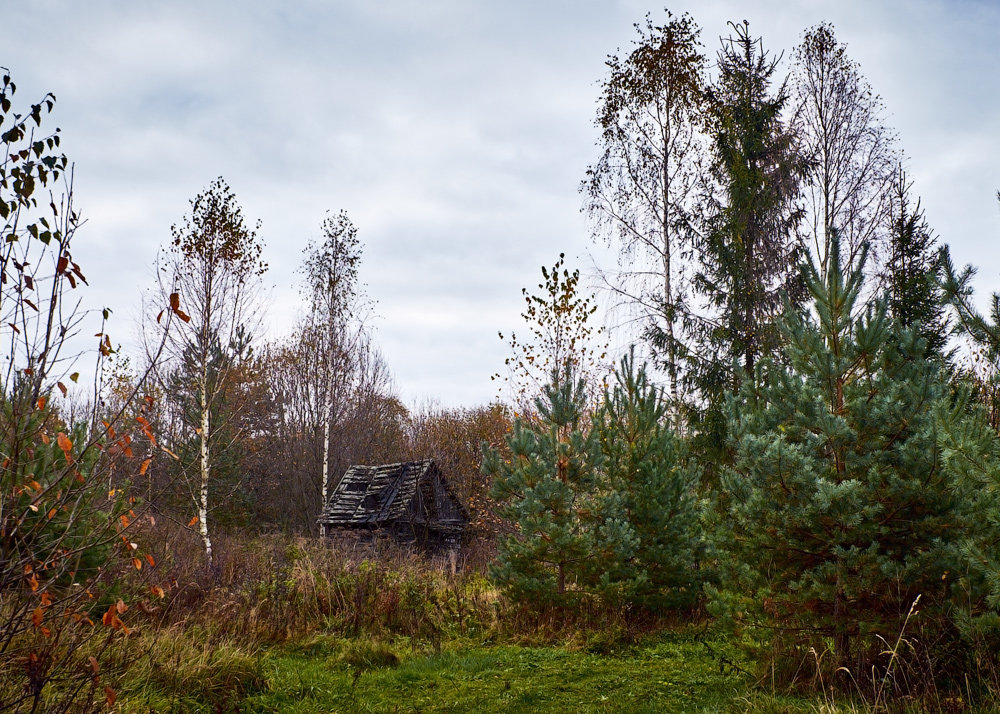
pixel 203 500
pixel 328 408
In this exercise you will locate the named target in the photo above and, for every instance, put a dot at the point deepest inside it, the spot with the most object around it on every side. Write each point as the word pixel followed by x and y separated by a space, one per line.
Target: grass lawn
pixel 669 675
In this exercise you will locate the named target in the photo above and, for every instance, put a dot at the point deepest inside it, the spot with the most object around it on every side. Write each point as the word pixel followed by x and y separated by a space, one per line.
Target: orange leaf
pixel 64 443
pixel 137 563
pixel 33 582
pixel 45 438
pixel 158 591
pixel 52 514
pixel 110 696
pixel 41 403
pixel 149 559
pixel 94 665
pixel 62 388
pixel 46 599
pixel 192 521
pixel 175 301
pixel 37 616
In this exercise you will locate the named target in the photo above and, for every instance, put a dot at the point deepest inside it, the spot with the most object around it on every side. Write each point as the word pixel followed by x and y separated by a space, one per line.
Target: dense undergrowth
pixel 291 624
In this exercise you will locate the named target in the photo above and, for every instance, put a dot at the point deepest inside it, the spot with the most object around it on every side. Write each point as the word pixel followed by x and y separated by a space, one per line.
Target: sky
pixel 455 134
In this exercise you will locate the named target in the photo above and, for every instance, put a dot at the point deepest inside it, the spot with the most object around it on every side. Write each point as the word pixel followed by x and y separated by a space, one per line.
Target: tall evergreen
pixel 748 253
pixel 542 488
pixel 840 506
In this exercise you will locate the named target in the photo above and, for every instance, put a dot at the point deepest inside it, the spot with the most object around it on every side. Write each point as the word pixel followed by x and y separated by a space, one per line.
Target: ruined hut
pixel 411 502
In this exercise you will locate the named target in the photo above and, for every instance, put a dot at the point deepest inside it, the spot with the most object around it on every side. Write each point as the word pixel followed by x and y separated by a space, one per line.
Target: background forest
pixel 791 474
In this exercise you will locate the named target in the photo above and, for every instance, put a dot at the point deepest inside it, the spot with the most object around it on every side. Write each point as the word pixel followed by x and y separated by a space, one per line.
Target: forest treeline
pixel 801 447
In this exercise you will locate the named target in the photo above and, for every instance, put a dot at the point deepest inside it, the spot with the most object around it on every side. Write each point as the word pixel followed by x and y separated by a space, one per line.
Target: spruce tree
pixel 647 532
pixel 542 488
pixel 841 509
pixel 911 273
pixel 749 253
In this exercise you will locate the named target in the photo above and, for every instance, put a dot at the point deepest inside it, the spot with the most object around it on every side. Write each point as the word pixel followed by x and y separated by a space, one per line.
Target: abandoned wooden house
pixel 412 502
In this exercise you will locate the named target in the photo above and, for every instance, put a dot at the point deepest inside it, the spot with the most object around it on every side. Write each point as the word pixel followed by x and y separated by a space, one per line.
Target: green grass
pixel 670 675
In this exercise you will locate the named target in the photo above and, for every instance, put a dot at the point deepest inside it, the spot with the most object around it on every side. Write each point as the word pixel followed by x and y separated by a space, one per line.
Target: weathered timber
pixel 411 501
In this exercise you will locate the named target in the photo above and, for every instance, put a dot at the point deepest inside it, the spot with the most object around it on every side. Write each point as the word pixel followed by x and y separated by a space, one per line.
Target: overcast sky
pixel 454 133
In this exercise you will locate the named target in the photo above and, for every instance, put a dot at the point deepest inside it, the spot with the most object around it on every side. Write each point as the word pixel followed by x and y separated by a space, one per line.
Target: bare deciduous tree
pixel 850 151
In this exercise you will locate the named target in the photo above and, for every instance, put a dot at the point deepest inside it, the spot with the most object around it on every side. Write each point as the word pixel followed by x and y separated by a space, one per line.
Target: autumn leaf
pixel 110 696
pixel 65 444
pixel 149 559
pixel 192 521
pixel 41 403
pixel 37 616
pixel 175 301
pixel 137 563
pixel 94 665
pixel 62 388
pixel 158 591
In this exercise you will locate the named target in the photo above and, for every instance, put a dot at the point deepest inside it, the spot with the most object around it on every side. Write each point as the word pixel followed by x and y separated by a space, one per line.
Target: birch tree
pixel 640 193
pixel 334 326
pixel 851 152
pixel 212 272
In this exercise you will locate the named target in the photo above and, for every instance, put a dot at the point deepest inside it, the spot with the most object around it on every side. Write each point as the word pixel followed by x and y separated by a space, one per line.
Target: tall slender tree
pixel 211 272
pixel 749 253
pixel 850 151
pixel 642 190
pixel 334 325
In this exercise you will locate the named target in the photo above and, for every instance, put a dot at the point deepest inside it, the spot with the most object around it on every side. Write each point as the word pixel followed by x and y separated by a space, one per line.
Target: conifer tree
pixel 748 253
pixel 840 506
pixel 915 297
pixel 646 529
pixel 543 487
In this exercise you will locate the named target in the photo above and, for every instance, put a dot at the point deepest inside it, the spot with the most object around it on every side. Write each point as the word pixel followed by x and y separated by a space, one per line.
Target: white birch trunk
pixel 203 499
pixel 328 408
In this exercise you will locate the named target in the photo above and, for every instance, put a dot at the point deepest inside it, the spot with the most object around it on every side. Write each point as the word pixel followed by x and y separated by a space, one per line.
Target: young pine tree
pixel 646 530
pixel 841 509
pixel 543 487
